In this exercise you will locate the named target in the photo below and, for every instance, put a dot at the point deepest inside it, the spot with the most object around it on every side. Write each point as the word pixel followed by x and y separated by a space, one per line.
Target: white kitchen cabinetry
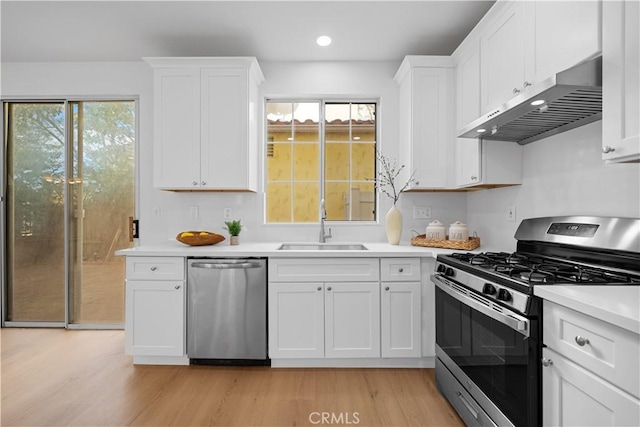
pixel 323 307
pixel 527 42
pixel 620 81
pixel 426 120
pixel 488 163
pixel 206 123
pixel 352 319
pixel 401 307
pixel 296 320
pixel 479 163
pixel 155 307
pixel 590 371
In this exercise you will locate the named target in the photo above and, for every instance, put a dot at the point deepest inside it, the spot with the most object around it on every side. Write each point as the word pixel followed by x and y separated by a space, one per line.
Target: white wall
pixel 562 175
pixel 330 79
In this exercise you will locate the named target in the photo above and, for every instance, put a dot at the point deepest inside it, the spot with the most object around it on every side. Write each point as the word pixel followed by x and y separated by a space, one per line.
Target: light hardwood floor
pixel 82 378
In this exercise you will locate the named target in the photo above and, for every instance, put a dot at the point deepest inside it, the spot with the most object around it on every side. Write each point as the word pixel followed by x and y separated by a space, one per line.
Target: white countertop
pixel 618 305
pixel 374 250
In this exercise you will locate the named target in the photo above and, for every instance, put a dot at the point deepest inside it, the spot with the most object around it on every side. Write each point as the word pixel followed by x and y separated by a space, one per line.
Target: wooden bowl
pixel 199 238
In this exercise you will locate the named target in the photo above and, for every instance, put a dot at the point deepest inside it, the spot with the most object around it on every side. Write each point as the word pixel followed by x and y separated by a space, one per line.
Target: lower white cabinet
pixel 155 306
pixel 590 372
pixel 573 396
pixel 296 320
pixel 401 331
pixel 352 319
pixel 155 318
pixel 333 318
pixel 316 320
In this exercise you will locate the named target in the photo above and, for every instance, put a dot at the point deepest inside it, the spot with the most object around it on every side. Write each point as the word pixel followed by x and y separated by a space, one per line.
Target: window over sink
pixel 320 149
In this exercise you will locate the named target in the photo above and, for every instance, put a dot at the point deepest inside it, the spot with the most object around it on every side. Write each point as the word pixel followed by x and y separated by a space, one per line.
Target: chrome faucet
pixel 323 216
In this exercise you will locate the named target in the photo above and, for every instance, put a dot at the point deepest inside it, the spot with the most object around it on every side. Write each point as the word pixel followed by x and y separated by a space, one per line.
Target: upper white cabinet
pixel 503 57
pixel 620 81
pixel 524 43
pixel 426 119
pixel 205 123
pixel 479 163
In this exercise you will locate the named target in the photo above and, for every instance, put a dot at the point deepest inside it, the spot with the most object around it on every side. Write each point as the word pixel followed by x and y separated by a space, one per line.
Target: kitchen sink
pixel 322 247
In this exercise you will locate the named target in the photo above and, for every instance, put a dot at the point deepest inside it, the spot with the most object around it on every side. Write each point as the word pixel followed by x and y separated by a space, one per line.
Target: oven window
pixel 496 358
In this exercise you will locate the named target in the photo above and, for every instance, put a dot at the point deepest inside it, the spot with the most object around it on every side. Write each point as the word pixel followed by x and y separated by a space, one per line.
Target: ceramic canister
pixel 458 231
pixel 436 231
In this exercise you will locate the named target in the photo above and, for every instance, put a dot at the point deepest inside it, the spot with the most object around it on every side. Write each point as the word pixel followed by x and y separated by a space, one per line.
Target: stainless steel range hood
pixel 570 99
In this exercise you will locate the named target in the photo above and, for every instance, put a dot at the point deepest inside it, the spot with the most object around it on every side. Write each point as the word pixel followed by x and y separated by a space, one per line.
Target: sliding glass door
pixel 70 195
pixel 35 216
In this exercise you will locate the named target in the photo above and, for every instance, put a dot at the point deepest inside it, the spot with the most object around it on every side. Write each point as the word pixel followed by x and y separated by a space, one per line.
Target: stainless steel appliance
pixel 227 311
pixel 567 100
pixel 488 322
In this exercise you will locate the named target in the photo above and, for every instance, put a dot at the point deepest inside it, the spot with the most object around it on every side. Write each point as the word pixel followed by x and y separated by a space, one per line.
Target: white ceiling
pixel 270 30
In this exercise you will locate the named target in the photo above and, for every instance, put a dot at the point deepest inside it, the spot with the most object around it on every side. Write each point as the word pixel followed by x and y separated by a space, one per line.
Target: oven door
pixel 489 350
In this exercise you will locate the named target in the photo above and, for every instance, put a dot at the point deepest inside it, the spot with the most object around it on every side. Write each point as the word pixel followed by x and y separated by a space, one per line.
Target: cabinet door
pixel 400 316
pixel 352 319
pixel 177 128
pixel 468 87
pixel 155 318
pixel 225 123
pixel 296 320
pixel 565 33
pixel 620 81
pixel 503 58
pixel 468 161
pixel 431 117
pixel 572 396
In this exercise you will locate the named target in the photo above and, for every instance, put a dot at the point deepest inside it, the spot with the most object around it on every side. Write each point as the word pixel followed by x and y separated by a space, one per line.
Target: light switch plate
pixel 421 212
pixel 511 213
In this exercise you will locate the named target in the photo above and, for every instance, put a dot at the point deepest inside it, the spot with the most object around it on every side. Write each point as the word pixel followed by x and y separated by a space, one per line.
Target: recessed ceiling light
pixel 323 41
pixel 481 130
pixel 538 102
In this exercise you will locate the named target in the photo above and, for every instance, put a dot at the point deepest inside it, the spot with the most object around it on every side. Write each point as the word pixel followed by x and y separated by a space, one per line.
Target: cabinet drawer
pixel 155 268
pixel 324 270
pixel 400 269
pixel 605 349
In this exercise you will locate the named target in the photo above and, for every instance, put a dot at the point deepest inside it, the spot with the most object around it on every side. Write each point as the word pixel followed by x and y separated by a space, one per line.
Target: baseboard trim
pixel 423 362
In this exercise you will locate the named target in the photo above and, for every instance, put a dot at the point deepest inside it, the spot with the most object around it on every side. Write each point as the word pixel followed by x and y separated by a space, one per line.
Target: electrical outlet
pixel 193 212
pixel 511 213
pixel 421 212
pixel 226 213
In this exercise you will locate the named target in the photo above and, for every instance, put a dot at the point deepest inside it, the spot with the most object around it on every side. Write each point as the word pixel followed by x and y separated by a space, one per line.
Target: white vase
pixel 394 225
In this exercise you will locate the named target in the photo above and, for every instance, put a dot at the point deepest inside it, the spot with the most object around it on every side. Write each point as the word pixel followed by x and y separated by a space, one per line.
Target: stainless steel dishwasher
pixel 227 311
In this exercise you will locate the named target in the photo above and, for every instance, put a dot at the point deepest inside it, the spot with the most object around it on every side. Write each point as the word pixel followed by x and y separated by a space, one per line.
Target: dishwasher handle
pixel 228 264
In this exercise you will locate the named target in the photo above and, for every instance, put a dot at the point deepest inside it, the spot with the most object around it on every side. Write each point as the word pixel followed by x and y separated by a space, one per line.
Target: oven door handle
pixel 512 320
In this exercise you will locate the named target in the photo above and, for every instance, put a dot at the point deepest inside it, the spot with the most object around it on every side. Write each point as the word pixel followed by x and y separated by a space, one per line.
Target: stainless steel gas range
pixel 489 323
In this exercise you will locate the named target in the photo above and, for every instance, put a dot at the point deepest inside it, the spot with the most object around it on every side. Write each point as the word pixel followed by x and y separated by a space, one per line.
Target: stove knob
pixel 489 289
pixel 441 268
pixel 504 295
pixel 449 272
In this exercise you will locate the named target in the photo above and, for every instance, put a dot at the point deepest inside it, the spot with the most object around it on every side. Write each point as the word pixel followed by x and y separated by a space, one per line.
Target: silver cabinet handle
pixel 417 182
pixel 608 149
pixel 516 90
pixel 473 177
pixel 526 84
pixel 386 288
pixel 204 182
pixel 177 286
pixel 546 362
pixel 400 270
pixel 319 288
pixel 329 288
pixel 581 341
pixel 154 268
pixel 195 182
